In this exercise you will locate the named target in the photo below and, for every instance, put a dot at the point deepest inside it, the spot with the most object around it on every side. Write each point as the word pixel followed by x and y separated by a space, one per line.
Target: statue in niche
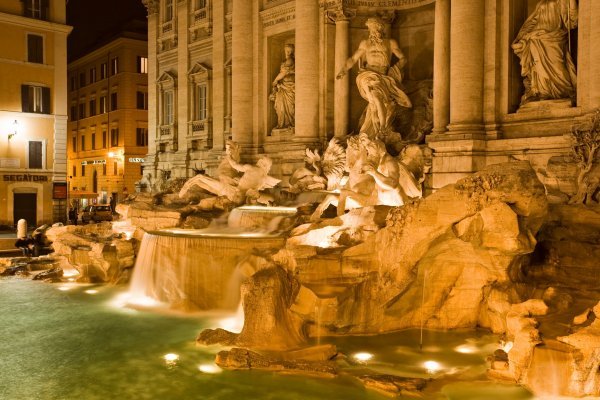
pixel 322 173
pixel 377 82
pixel 542 44
pixel 283 94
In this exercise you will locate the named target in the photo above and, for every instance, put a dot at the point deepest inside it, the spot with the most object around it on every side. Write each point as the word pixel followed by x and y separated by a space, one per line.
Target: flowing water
pixel 71 341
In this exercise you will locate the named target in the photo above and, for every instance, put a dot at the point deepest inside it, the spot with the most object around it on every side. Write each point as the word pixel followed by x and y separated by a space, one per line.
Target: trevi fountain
pixel 442 241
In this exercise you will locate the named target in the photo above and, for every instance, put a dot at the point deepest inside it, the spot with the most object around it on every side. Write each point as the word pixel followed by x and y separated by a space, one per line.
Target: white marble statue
pixel 283 94
pixel 226 174
pixel 377 178
pixel 239 189
pixel 542 44
pixel 321 173
pixel 377 82
pixel 145 184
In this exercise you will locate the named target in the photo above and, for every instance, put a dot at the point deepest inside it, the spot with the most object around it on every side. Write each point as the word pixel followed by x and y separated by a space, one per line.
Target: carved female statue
pixel 542 45
pixel 283 95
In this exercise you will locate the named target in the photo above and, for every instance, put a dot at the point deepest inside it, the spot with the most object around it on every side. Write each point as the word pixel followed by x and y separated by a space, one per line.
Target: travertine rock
pixel 94 251
pixel 391 385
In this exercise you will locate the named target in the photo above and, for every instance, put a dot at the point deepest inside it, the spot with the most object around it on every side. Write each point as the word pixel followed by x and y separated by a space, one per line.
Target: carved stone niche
pixel 276 56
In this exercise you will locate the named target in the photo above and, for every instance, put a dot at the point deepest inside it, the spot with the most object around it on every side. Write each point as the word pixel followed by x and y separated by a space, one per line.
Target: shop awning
pixel 82 194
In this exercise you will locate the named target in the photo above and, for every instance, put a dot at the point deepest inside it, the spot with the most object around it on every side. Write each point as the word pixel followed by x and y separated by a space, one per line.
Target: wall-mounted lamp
pixel 15 130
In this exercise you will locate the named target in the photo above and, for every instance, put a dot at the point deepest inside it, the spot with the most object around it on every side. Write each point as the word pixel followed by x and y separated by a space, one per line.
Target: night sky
pixel 96 22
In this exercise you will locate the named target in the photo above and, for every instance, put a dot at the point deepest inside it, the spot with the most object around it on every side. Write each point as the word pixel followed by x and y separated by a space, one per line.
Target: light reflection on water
pixel 73 345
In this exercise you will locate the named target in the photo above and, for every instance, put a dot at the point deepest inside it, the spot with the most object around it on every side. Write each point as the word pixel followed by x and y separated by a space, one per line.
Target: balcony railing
pixel 167 26
pixel 166 130
pixel 201 14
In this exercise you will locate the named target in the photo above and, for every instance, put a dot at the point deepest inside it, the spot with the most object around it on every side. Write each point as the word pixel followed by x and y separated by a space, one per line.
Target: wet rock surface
pixel 393 386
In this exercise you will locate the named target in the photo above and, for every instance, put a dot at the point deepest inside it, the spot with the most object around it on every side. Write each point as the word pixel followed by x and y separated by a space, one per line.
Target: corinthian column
pixel 241 49
pixel 441 67
pixel 307 68
pixel 341 17
pixel 466 66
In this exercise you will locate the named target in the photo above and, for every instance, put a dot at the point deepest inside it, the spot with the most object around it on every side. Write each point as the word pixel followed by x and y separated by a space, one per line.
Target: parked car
pixel 96 213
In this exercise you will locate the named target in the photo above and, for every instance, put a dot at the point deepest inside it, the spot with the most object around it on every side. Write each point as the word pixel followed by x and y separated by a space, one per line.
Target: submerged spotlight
pixel 362 357
pixel 432 366
pixel 209 368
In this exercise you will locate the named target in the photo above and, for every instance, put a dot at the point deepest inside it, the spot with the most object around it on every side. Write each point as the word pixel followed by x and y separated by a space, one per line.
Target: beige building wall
pixel 460 49
pixel 26 184
pixel 111 167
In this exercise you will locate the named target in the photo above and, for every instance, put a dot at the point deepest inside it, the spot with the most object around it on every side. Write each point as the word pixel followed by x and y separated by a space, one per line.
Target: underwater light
pixel 171 358
pixel 432 366
pixel 466 349
pixel 64 288
pixel 90 291
pixel 209 368
pixel 362 357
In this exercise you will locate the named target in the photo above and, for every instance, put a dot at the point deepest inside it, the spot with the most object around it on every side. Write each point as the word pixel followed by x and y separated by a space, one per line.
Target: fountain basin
pixel 195 269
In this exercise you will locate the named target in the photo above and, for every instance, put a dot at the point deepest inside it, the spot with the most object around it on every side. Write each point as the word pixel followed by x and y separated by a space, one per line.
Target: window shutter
pixel 45 100
pixel 45 9
pixel 35 154
pixel 25 102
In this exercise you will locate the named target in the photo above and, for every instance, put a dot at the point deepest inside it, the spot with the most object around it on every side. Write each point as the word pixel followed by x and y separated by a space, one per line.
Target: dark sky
pixel 94 22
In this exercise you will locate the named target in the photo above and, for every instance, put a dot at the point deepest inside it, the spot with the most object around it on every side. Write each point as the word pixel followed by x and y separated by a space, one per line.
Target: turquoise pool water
pixel 68 341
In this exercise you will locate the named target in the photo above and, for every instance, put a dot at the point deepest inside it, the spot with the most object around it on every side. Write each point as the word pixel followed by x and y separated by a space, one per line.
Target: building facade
pixel 108 120
pixel 33 111
pixel 214 66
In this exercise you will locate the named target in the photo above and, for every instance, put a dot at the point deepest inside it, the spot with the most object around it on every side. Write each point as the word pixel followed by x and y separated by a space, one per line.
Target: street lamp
pixel 15 130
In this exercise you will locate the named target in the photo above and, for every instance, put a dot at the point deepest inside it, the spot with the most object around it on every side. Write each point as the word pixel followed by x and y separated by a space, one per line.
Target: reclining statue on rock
pixel 247 189
pixel 322 173
pixel 377 178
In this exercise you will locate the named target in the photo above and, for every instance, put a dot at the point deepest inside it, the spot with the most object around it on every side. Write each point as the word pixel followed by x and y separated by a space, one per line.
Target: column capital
pixel 340 13
pixel 151 6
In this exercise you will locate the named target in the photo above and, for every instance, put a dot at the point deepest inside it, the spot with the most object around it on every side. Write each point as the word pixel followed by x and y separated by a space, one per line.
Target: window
pixel 102 104
pixel 103 71
pixel 73 113
pixel 81 79
pixel 103 139
pixel 113 101
pixel 141 135
pixel 82 142
pixel 81 111
pixel 74 143
pixel 35 99
pixel 92 107
pixel 37 9
pixel 115 168
pixel 74 171
pixel 35 49
pixel 73 83
pixel 83 170
pixel 104 169
pixel 94 141
pixel 142 65
pixel 201 109
pixel 92 75
pixel 168 107
pixel 200 4
pixel 142 101
pixel 168 10
pixel 35 154
pixel 114 137
pixel 114 66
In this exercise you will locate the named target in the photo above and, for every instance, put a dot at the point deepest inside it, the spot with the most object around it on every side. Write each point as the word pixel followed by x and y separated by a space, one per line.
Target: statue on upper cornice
pixel 151 6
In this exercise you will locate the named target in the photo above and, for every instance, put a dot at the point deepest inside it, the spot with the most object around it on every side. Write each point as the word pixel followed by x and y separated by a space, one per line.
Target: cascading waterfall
pixel 200 269
pixel 191 270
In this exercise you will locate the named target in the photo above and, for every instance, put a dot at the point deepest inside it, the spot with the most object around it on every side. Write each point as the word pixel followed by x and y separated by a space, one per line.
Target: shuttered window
pixel 35 99
pixel 35 154
pixel 35 49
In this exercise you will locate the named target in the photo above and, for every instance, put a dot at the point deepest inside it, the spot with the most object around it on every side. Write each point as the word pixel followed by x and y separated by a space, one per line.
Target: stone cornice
pixel 278 14
pixel 374 5
pixel 34 23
